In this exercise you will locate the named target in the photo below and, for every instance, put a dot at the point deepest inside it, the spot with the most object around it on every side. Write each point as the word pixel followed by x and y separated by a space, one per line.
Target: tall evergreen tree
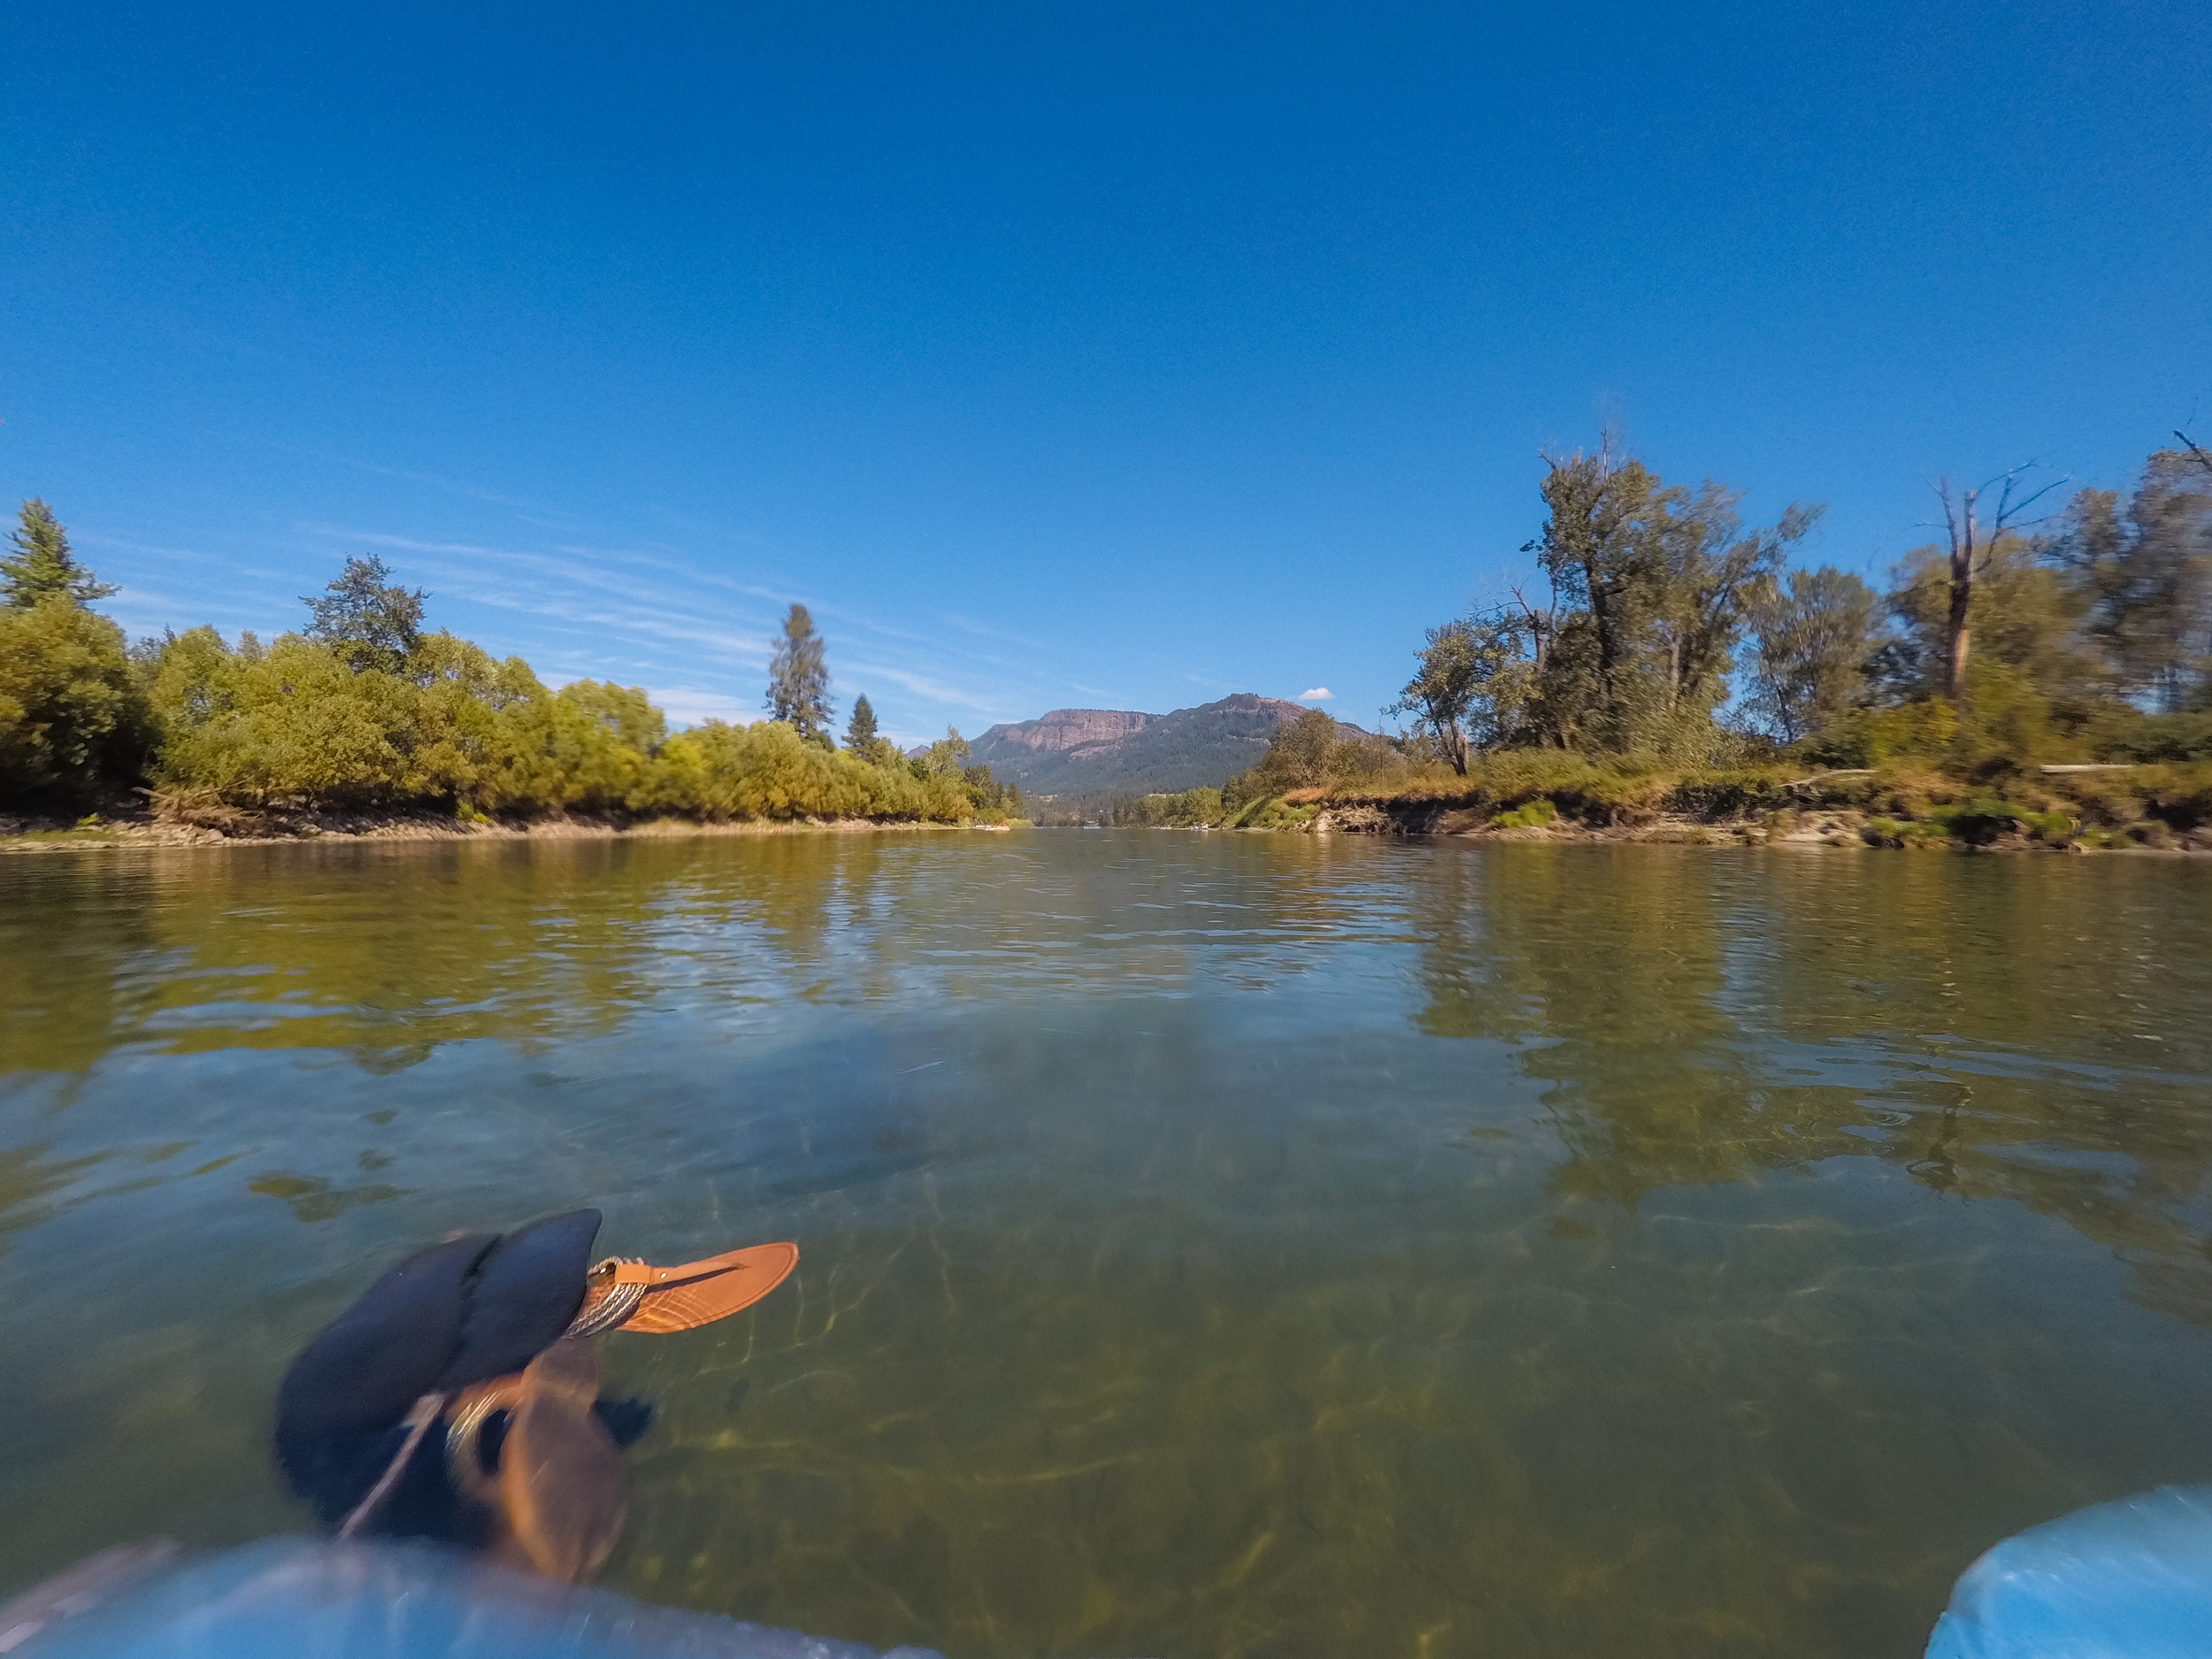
pixel 860 731
pixel 798 681
pixel 43 567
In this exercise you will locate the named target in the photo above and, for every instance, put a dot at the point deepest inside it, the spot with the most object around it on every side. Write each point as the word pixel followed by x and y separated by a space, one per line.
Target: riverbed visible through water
pixel 1212 1245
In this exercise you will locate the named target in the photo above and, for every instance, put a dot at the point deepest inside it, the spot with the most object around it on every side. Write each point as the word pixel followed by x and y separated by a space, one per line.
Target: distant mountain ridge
pixel 1093 751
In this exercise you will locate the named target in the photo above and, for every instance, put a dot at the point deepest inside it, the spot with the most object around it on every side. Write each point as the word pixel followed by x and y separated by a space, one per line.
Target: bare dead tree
pixel 1541 624
pixel 1610 441
pixel 1961 518
pixel 2195 449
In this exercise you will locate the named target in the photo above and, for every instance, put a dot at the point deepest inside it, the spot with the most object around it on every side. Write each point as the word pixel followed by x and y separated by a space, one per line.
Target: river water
pixel 1212 1245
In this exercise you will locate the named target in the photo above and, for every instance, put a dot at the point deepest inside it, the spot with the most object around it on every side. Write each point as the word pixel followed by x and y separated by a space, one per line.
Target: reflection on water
pixel 1214 1245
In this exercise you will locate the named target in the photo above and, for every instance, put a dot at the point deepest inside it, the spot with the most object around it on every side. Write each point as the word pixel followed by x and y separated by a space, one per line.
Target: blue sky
pixel 1073 355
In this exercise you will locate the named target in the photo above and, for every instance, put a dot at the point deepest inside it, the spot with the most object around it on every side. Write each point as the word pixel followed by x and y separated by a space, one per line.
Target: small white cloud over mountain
pixel 1319 693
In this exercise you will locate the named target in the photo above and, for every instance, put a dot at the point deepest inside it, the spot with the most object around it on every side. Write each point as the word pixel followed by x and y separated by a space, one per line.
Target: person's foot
pixel 560 1477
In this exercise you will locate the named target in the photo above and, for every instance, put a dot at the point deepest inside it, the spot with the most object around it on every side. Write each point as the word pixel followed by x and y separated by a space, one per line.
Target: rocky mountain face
pixel 1092 751
pixel 1065 730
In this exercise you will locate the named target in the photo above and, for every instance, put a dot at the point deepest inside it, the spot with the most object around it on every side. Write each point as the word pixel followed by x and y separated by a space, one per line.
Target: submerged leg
pixel 561 1476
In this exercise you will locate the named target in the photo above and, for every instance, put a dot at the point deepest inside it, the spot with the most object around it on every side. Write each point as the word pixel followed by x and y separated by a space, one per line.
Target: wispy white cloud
pixel 968 624
pixel 91 538
pixel 686 706
pixel 564 590
pixel 923 686
pixel 647 613
pixel 451 486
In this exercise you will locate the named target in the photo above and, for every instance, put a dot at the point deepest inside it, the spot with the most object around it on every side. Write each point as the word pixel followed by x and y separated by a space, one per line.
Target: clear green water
pixel 1212 1245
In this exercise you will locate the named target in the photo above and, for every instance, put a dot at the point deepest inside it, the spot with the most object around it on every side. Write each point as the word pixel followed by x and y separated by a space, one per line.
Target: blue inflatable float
pixel 299 1599
pixel 2125 1580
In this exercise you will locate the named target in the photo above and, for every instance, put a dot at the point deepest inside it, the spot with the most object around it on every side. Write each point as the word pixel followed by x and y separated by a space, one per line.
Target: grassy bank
pixel 1537 795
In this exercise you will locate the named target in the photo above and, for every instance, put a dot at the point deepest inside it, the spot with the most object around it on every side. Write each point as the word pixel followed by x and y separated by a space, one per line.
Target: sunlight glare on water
pixel 1212 1245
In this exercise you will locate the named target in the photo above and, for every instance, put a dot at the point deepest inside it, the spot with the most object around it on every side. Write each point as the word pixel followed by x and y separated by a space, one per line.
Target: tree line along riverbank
pixel 365 721
pixel 2025 681
pixel 1664 669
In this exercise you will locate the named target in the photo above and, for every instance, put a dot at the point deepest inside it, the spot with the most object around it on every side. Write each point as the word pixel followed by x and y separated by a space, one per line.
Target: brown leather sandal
pixel 625 1295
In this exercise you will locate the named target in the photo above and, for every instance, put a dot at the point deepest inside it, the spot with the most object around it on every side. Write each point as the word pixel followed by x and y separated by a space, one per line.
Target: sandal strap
pixel 655 1278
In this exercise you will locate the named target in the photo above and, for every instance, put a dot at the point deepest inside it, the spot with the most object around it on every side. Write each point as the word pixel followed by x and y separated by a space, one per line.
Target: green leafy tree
pixel 590 745
pixel 1707 570
pixel 2145 571
pixel 768 771
pixel 1812 636
pixel 1596 547
pixel 626 713
pixel 72 718
pixel 1190 809
pixel 1311 752
pixel 297 727
pixel 1469 687
pixel 946 757
pixel 985 791
pixel 798 678
pixel 1567 707
pixel 2023 614
pixel 1442 689
pixel 1304 747
pixel 366 619
pixel 42 566
pixel 1655 580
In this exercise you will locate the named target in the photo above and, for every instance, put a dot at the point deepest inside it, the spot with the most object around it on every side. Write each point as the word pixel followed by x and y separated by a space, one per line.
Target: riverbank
pixel 1831 829
pixel 2102 809
pixel 30 834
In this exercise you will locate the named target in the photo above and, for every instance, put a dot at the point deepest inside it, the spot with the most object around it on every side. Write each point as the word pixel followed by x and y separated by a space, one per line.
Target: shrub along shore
pixel 365 724
pixel 2122 808
pixel 1531 797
